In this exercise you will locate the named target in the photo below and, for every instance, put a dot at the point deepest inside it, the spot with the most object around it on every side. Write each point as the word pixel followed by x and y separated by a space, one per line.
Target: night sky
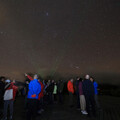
pixel 60 37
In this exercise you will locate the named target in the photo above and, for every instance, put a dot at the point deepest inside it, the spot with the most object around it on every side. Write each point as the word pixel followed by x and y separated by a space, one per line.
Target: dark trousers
pixel 6 104
pixel 90 104
pixel 26 103
pixel 97 102
pixel 1 104
pixel 50 97
pixel 32 109
pixel 71 99
pixel 40 104
pixel 78 100
pixel 55 97
pixel 60 97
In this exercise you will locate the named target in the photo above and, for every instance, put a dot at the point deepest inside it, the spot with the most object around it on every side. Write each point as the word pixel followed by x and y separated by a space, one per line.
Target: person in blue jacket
pixel 33 91
pixel 95 91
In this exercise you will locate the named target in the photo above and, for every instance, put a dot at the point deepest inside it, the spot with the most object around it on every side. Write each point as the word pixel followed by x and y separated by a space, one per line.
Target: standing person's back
pixel 60 90
pixel 55 92
pixel 95 92
pixel 95 87
pixel 60 86
pixel 40 99
pixel 2 85
pixel 50 92
pixel 70 86
pixel 71 92
pixel 82 98
pixel 88 90
pixel 34 89
pixel 77 92
pixel 9 97
pixel 88 87
pixel 33 93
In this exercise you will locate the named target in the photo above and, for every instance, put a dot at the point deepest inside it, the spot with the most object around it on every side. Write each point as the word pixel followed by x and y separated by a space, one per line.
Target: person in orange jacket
pixel 71 91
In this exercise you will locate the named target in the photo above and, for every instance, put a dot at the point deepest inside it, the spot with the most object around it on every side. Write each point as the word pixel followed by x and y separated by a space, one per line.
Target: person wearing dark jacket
pixel 25 93
pixel 82 98
pixel 77 92
pixel 60 90
pixel 50 92
pixel 88 91
pixel 2 86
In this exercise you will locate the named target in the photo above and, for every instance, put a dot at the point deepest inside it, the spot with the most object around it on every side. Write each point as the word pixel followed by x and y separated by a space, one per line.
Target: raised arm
pixel 28 76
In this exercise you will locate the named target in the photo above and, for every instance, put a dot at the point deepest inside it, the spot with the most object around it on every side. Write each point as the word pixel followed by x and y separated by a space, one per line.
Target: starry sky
pixel 60 38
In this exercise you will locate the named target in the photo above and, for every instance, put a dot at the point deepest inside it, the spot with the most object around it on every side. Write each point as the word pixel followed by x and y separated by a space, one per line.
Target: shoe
pixel 84 113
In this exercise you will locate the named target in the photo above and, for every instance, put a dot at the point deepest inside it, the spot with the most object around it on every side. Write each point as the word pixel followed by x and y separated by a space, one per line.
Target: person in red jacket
pixel 9 97
pixel 40 98
pixel 71 91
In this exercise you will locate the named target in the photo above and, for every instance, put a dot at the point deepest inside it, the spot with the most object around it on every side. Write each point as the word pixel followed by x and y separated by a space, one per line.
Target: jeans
pixel 6 104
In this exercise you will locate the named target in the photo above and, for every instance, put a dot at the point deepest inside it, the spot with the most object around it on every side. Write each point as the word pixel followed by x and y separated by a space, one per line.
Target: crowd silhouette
pixel 38 93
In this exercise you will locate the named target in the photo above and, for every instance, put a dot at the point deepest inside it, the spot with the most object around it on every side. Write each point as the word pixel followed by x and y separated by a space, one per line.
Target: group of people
pixel 87 95
pixel 39 93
